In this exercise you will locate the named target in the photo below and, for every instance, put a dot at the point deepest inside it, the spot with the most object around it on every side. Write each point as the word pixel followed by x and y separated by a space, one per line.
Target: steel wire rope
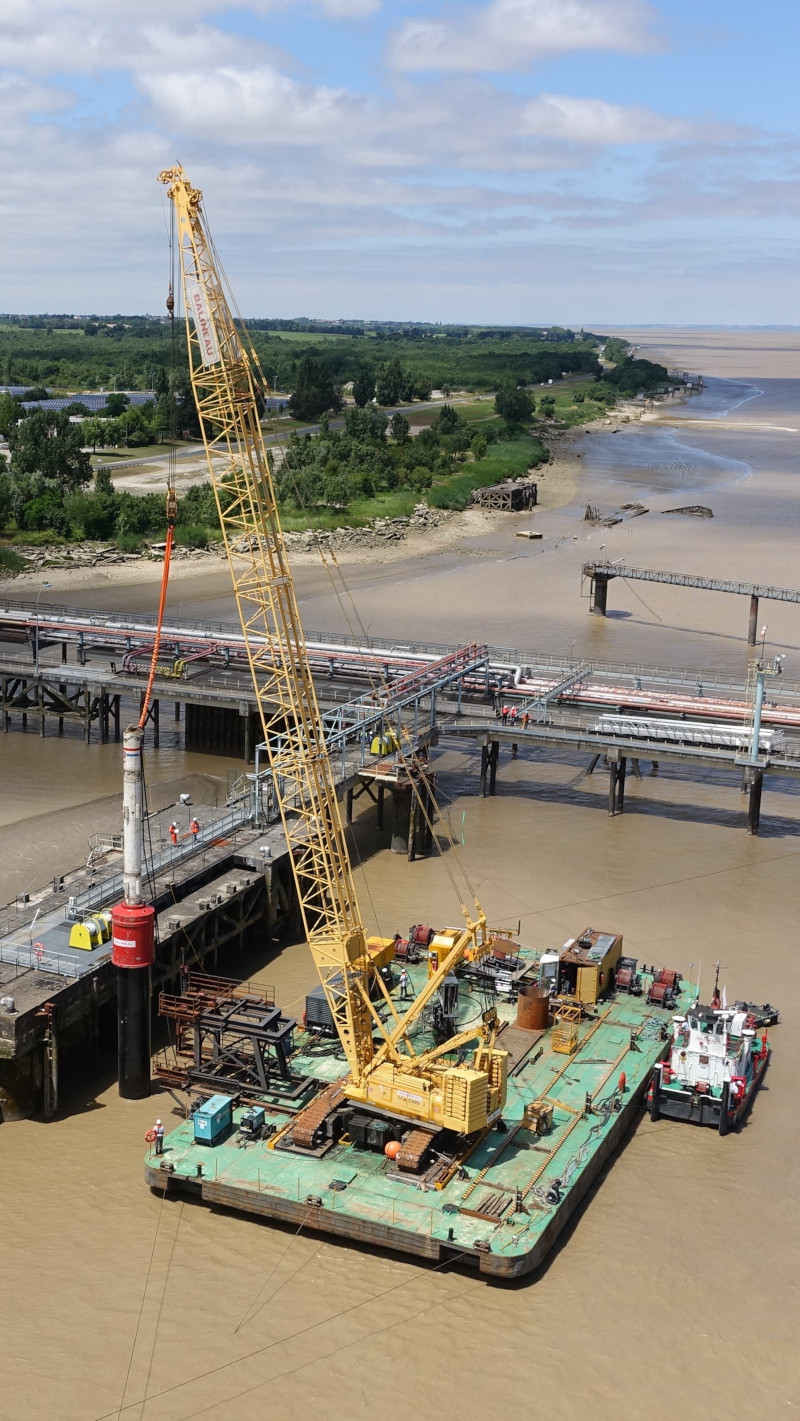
pixel 172 468
pixel 302 1332
pixel 382 682
pixel 651 610
pixel 122 1406
pixel 161 1306
pixel 253 1306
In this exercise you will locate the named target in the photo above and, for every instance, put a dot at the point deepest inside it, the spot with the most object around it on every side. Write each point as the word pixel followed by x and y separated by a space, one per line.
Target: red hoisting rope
pixel 157 643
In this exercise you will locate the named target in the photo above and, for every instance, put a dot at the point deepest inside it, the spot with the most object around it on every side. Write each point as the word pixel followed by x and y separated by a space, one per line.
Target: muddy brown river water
pixel 676 1289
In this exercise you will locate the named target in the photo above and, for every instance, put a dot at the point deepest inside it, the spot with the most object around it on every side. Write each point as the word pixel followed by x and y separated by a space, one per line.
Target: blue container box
pixel 213 1121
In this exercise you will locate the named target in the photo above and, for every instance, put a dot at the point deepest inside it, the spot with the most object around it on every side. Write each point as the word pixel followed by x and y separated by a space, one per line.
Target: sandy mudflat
pixel 732 354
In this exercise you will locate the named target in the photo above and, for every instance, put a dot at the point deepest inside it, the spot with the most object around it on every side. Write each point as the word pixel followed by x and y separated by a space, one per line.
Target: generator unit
pixel 213 1120
pixel 252 1122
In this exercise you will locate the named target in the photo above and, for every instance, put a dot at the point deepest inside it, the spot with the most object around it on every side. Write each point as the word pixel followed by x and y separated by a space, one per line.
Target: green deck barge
pixel 512 1193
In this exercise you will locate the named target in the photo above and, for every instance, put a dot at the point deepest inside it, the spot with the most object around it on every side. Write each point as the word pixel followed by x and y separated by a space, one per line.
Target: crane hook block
pixel 172 507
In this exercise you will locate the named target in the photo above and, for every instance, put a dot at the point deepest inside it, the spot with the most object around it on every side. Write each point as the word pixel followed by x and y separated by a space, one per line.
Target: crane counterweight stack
pixel 227 382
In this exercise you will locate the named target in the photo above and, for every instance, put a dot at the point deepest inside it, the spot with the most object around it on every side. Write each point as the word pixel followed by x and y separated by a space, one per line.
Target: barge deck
pixel 501 1202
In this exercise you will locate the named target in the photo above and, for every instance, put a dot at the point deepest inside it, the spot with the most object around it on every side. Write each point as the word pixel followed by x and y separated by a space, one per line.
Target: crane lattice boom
pixel 227 380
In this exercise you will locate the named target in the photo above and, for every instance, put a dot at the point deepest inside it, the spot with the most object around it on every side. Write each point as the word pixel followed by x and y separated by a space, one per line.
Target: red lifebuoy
pixel 150 1136
pixel 666 1073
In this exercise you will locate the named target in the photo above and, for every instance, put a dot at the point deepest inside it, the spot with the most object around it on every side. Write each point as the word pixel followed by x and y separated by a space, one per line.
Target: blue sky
pixel 574 161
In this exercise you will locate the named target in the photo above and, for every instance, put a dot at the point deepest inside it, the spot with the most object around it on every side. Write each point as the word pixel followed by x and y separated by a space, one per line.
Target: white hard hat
pixel 158 1122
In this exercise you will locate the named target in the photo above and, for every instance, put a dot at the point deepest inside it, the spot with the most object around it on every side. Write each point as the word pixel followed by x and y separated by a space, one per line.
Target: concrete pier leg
pixel 248 740
pixel 745 785
pixel 623 765
pixel 514 749
pixel 637 774
pixel 156 725
pixel 613 771
pixel 754 804
pixel 349 806
pixel 103 719
pixel 494 756
pixel 381 793
pixel 41 709
pixel 401 814
pixel 116 719
pixel 177 711
pixel 752 627
pixel 484 768
pixel 599 598
pixel 593 763
pixel 63 653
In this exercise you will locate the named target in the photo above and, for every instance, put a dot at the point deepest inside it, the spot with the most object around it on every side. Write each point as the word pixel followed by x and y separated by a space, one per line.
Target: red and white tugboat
pixel 716 1063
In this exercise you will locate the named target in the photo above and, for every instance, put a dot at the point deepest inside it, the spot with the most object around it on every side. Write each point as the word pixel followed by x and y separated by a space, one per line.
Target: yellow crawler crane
pixel 425 1089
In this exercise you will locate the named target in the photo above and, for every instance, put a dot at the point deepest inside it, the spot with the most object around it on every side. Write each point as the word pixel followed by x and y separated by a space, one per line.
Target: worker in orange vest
pixel 195 828
pixel 173 833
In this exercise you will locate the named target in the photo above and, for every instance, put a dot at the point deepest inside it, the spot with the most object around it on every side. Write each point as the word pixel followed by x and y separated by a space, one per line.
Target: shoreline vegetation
pixel 365 475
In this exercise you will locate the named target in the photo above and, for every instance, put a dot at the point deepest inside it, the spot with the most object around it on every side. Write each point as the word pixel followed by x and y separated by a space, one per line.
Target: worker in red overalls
pixel 173 833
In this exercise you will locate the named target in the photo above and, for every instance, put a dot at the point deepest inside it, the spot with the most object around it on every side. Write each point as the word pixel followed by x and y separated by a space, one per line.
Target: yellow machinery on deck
pixel 388 1074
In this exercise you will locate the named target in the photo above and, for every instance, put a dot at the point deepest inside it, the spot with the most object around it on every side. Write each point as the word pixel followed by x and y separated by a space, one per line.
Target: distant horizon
pixel 596 327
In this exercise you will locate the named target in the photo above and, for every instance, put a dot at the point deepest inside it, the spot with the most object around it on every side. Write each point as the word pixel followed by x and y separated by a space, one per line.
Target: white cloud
pixel 597 122
pixel 234 104
pixel 513 34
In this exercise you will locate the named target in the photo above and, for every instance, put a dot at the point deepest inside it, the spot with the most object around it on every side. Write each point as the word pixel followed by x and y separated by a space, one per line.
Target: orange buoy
pixel 622 1082
pixel 392 1149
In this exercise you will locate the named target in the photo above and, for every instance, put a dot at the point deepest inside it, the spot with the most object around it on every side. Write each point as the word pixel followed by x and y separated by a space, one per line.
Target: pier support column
pixel 401 815
pixel 623 766
pixel 484 768
pixel 754 804
pixel 514 749
pixel 753 623
pixel 349 805
pixel 494 756
pixel 381 794
pixel 156 724
pixel 103 718
pixel 616 784
pixel 593 763
pixel 599 595
pixel 177 712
